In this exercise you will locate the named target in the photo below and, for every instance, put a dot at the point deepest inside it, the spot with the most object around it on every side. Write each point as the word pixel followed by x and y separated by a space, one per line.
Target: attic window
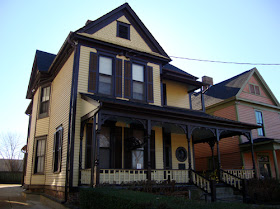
pixel 123 30
pixel 254 89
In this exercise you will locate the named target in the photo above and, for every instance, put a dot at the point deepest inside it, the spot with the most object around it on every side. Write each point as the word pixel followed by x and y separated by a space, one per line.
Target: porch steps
pixel 226 193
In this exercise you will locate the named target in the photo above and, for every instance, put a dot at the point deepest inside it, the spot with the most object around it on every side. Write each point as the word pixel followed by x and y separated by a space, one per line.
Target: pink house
pixel 245 98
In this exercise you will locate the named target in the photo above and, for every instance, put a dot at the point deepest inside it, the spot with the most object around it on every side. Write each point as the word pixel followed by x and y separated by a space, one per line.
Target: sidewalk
pixel 11 197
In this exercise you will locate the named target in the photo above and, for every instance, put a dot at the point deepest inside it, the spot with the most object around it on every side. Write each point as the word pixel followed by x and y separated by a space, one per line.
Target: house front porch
pixel 124 142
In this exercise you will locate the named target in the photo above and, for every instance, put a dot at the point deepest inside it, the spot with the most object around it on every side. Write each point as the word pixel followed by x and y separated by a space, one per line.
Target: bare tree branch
pixel 10 150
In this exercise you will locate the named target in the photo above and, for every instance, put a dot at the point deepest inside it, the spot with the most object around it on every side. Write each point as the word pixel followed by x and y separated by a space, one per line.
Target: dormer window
pixel 123 30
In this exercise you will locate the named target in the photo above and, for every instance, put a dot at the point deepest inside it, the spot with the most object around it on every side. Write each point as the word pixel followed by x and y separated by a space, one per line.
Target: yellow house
pixel 109 108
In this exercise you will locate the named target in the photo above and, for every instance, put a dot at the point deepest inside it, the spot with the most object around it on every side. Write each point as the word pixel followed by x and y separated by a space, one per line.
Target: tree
pixel 10 150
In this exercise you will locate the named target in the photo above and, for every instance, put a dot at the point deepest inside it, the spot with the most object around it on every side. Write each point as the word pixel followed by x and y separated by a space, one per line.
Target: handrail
pixel 231 174
pixel 201 182
pixel 231 179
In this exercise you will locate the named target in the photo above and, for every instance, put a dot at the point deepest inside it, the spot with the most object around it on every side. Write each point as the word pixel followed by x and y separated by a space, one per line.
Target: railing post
pixel 213 190
pixel 149 131
pixel 93 149
pixel 244 190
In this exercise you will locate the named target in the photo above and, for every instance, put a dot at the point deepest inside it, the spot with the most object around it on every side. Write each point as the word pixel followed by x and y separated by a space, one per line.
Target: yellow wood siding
pixel 176 94
pixel 178 140
pixel 38 179
pixel 156 84
pixel 109 34
pixel 59 115
pixel 84 70
pixel 158 147
pixel 42 127
pixel 30 147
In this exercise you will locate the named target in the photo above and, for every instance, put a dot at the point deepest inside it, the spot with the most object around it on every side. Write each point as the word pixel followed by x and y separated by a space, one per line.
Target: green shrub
pixel 112 198
pixel 264 190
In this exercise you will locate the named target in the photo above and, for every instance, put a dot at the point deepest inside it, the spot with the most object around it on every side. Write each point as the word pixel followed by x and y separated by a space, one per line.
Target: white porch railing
pixel 241 173
pixel 201 182
pixel 85 176
pixel 119 176
pixel 180 176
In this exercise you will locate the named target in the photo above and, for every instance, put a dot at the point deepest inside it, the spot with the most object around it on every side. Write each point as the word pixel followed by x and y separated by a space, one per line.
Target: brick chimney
pixel 208 81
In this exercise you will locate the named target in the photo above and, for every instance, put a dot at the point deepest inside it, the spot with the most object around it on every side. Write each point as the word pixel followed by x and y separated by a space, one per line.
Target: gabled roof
pixel 177 70
pixel 93 26
pixel 44 60
pixel 42 63
pixel 233 87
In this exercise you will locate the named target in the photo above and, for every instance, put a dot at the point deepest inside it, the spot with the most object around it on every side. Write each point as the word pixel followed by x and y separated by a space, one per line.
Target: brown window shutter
pixel 150 91
pixel 92 72
pixel 118 77
pixel 127 79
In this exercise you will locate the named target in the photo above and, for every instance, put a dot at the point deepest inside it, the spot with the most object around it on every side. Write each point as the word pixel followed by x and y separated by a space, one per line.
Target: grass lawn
pixel 126 199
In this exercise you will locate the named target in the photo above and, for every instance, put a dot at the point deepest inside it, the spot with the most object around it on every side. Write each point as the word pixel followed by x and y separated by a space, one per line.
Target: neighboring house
pixel 245 98
pixel 13 165
pixel 108 108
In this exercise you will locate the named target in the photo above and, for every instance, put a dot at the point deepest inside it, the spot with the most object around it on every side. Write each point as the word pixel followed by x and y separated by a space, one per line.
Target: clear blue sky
pixel 237 30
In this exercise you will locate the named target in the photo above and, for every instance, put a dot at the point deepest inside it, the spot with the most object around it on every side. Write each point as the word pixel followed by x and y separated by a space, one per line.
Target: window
pixel 40 156
pixel 259 120
pixel 105 75
pixel 254 89
pixel 123 30
pixel 57 149
pixel 138 81
pixel 45 98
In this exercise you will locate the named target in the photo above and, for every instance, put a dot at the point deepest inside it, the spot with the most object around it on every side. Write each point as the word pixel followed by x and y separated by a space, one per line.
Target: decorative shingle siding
pixel 263 97
pixel 109 34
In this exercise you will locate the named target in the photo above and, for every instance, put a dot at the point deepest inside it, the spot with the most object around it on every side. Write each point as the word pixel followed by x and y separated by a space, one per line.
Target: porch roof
pixel 169 114
pixel 262 144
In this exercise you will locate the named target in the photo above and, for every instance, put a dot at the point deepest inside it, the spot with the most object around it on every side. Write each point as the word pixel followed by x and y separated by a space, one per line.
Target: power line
pixel 223 62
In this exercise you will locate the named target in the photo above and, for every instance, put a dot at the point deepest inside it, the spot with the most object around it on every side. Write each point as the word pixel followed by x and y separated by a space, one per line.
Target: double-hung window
pixel 40 155
pixel 138 82
pixel 105 75
pixel 44 102
pixel 57 149
pixel 254 89
pixel 259 120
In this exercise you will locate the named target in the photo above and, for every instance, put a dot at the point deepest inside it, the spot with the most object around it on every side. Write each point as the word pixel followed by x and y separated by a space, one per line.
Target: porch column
pixel 253 155
pixel 81 149
pixel 149 132
pixel 98 150
pixel 218 152
pixel 93 148
pixel 189 152
pixel 212 144
pixel 275 164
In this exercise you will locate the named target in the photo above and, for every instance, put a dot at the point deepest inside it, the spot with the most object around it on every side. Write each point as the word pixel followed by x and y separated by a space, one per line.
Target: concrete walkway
pixel 11 197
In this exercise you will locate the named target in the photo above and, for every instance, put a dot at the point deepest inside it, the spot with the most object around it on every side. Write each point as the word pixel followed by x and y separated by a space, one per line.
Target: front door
pixel 167 150
pixel 264 166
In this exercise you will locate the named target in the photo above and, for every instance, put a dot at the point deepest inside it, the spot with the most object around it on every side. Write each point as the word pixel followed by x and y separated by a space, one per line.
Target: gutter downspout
pixel 93 155
pixel 72 113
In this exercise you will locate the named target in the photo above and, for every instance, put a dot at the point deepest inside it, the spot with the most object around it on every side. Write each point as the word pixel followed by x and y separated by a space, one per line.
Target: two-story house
pixel 246 98
pixel 109 108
